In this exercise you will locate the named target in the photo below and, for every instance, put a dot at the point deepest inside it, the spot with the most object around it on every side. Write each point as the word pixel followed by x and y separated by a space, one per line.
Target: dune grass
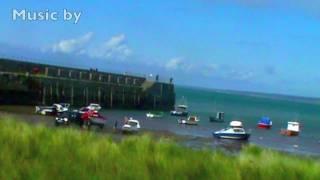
pixel 38 152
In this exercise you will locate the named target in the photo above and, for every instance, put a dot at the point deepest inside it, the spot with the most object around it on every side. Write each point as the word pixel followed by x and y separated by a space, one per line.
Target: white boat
pixel 154 114
pixel 293 129
pixel 235 131
pixel 180 110
pixel 94 107
pixel 131 126
pixel 52 110
pixel 191 120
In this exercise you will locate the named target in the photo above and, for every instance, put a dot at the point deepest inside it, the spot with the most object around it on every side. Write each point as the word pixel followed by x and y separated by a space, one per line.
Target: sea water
pixel 246 107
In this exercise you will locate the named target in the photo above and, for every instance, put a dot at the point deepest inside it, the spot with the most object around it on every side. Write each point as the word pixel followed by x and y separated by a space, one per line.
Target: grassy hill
pixel 38 152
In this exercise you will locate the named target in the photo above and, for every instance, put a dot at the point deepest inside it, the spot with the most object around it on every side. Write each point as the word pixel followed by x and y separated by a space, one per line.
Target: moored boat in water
pixel 235 131
pixel 218 118
pixel 293 129
pixel 155 114
pixel 265 122
pixel 180 110
pixel 191 120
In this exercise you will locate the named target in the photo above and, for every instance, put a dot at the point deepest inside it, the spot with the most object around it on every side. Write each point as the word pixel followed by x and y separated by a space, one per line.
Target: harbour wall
pixel 26 83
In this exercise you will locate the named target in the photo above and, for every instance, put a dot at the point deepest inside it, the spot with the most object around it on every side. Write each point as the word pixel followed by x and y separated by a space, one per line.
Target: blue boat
pixel 235 131
pixel 265 122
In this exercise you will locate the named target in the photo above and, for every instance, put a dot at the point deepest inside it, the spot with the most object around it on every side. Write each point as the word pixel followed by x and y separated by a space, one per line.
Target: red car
pixel 91 117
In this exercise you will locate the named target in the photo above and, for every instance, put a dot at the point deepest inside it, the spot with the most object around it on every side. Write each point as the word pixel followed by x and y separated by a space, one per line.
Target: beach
pixel 154 127
pixel 203 103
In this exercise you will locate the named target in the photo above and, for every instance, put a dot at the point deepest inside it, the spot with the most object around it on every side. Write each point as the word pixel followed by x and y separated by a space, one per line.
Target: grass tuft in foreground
pixel 37 152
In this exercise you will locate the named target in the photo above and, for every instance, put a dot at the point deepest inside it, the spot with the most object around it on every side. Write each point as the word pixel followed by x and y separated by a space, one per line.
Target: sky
pixel 249 45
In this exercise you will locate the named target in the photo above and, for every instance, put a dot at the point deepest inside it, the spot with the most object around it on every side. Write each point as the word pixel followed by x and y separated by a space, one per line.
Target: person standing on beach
pixel 115 126
pixel 126 120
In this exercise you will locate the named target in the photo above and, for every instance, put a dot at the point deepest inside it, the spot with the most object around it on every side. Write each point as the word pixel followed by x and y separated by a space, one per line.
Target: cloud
pixel 226 72
pixel 75 45
pixel 174 63
pixel 210 69
pixel 115 47
pixel 233 73
pixel 241 75
pixel 213 67
pixel 178 63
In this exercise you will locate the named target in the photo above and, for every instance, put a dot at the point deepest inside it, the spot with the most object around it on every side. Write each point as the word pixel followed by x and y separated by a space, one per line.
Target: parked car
pixel 83 117
pixel 52 110
pixel 90 117
pixel 67 117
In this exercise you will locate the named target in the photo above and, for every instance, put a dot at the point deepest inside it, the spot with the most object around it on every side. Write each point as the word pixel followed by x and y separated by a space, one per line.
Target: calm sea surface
pixel 247 107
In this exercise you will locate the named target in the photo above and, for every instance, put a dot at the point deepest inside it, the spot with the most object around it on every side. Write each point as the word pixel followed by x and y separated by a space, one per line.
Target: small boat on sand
pixel 155 114
pixel 191 120
pixel 219 117
pixel 235 131
pixel 52 110
pixel 293 129
pixel 131 126
pixel 265 122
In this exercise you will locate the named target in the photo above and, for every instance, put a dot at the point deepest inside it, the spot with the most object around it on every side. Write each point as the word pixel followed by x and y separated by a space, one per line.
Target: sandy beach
pixel 196 137
pixel 26 114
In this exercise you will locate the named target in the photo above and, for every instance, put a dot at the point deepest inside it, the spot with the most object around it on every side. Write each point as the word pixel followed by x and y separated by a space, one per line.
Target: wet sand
pixel 196 137
pixel 26 114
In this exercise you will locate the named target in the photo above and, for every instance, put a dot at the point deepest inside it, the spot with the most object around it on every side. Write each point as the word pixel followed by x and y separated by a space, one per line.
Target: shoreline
pixel 26 114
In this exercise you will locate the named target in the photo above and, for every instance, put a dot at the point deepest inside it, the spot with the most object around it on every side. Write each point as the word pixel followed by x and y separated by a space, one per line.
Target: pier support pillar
pixel 57 92
pixel 111 98
pixel 44 95
pixel 135 97
pixel 99 95
pixel 87 96
pixel 84 95
pixel 71 95
pixel 51 94
pixel 123 98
